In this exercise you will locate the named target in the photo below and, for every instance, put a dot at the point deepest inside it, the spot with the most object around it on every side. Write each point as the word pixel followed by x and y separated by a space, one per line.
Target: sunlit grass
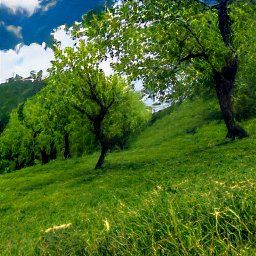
pixel 172 192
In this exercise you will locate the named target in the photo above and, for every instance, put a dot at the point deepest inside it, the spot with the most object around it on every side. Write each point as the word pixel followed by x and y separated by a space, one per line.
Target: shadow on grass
pixel 218 145
pixel 37 185
pixel 126 166
pixel 84 178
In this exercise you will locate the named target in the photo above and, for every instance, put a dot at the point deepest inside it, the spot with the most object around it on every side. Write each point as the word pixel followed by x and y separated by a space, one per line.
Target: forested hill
pixel 13 93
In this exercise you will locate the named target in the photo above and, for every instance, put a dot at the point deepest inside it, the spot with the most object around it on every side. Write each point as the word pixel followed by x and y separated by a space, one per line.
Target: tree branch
pixel 93 95
pixel 191 56
pixel 110 104
pixel 83 112
pixel 204 51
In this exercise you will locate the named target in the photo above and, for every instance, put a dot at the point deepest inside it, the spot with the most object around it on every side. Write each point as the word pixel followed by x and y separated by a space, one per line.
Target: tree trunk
pixel 99 134
pixel 66 146
pixel 44 156
pixel 225 79
pixel 53 151
pixel 104 151
pixel 224 85
pixel 33 153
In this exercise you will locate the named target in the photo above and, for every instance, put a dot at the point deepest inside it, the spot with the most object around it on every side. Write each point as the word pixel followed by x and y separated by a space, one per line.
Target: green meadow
pixel 180 188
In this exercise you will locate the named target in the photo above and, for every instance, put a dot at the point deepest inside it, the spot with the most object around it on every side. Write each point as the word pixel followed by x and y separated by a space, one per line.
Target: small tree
pixel 16 145
pixel 107 103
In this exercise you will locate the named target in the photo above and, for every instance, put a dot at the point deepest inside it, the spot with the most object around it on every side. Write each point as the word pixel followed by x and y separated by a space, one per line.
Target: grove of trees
pixel 79 110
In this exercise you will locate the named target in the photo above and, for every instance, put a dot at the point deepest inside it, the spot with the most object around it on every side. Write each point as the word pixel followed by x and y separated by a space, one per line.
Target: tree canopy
pixel 181 48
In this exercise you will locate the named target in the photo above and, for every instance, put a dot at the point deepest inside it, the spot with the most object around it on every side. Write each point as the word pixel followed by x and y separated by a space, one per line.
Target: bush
pixel 245 103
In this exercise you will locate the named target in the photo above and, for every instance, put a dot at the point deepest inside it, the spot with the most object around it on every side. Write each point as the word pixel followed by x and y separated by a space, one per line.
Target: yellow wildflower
pixel 106 224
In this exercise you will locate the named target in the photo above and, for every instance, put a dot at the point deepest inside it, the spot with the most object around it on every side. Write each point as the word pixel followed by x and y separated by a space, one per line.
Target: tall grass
pixel 218 219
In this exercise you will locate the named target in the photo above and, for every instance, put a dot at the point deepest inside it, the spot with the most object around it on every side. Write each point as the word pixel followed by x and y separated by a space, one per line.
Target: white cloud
pixel 23 60
pixel 106 67
pixel 26 58
pixel 64 37
pixel 16 30
pixel 29 6
pixel 49 5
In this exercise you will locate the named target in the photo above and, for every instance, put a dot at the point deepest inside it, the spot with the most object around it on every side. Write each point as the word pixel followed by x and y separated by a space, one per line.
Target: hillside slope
pixel 181 189
pixel 12 94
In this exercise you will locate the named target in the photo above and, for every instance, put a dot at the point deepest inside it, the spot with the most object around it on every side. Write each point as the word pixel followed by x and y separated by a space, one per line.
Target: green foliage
pixel 58 121
pixel 36 126
pixel 171 193
pixel 15 145
pixel 156 40
pixel 245 101
pixel 108 105
pixel 12 94
pixel 176 46
pixel 244 26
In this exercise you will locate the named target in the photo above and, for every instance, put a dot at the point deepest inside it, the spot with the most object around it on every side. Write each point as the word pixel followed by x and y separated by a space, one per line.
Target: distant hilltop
pixel 34 76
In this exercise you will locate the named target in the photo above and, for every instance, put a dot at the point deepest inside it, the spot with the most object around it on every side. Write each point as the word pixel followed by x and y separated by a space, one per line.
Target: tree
pixel 107 103
pixel 172 45
pixel 245 93
pixel 16 145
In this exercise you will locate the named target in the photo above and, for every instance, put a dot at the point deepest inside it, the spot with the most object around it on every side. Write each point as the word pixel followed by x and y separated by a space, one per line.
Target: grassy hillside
pixel 181 189
pixel 12 94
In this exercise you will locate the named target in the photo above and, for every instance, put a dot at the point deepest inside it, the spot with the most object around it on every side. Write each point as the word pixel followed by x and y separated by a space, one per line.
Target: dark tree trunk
pixel 32 157
pixel 53 151
pixel 104 144
pixel 225 79
pixel 96 122
pixel 33 153
pixel 224 85
pixel 225 23
pixel 44 156
pixel 67 153
pixel 104 151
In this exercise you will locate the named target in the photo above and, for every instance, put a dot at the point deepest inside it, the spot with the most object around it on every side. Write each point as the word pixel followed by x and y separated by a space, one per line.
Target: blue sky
pixel 29 23
pixel 210 2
